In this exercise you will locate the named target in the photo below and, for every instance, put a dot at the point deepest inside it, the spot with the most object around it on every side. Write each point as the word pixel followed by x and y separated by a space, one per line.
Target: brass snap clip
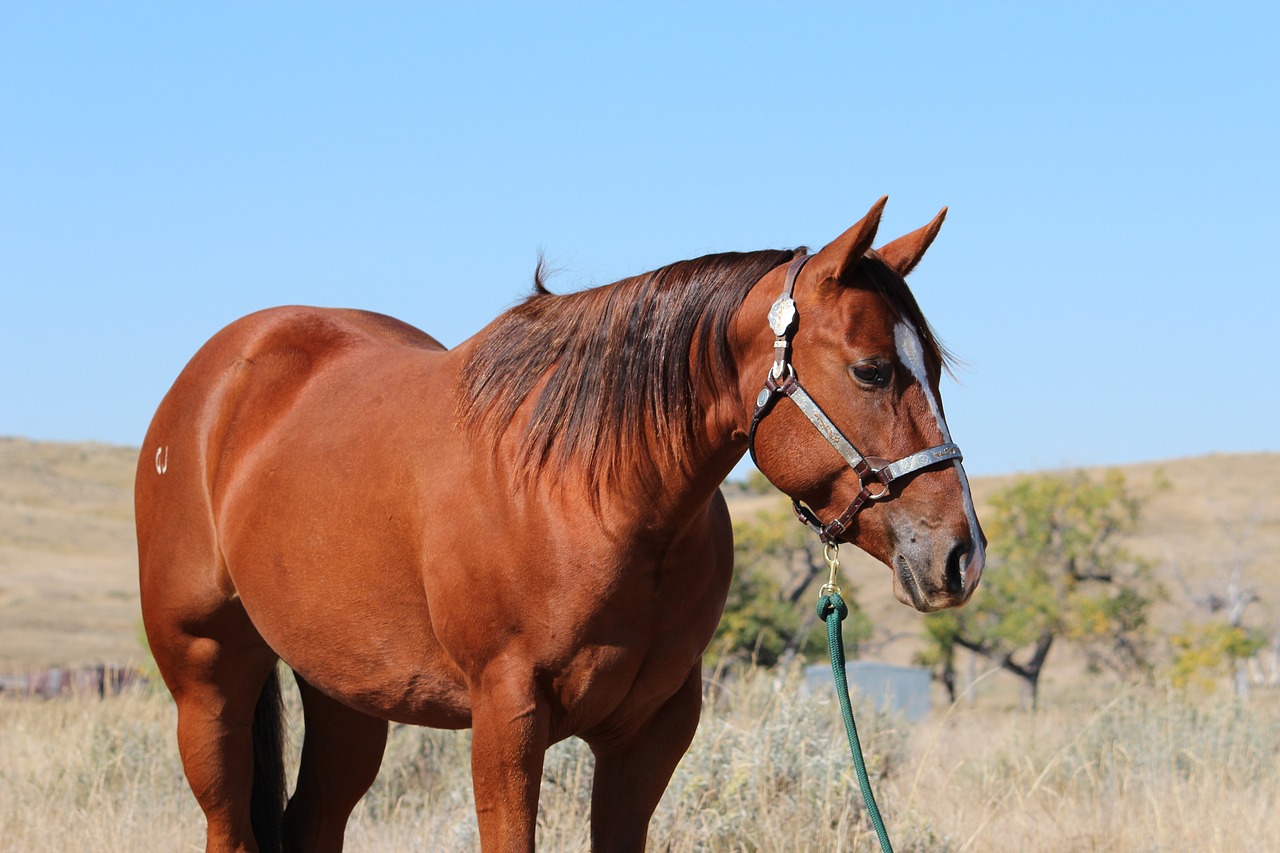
pixel 831 553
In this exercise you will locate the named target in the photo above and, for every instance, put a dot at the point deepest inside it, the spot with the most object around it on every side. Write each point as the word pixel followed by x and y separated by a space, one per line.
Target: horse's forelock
pixel 898 296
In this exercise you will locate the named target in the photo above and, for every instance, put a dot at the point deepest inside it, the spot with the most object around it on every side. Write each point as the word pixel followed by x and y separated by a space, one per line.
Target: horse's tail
pixel 267 801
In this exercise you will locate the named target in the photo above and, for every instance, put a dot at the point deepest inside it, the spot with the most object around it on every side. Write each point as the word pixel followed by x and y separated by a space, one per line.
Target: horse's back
pixel 249 374
pixel 261 361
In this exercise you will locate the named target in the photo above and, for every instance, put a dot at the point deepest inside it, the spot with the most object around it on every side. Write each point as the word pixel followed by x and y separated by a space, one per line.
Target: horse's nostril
pixel 957 560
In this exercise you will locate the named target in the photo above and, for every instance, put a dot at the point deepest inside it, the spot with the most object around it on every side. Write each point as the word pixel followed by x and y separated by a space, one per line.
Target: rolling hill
pixel 68 590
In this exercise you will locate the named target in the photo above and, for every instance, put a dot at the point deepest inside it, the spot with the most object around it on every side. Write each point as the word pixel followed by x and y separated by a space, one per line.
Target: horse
pixel 523 535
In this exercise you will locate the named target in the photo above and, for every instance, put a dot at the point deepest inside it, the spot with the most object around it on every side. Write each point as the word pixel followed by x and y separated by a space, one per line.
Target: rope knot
pixel 832 603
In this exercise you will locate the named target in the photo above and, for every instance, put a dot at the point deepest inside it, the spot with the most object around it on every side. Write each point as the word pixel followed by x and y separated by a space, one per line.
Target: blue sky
pixel 1107 269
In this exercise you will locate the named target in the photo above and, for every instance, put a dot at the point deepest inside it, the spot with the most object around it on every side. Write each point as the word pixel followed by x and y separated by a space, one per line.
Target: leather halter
pixel 782 381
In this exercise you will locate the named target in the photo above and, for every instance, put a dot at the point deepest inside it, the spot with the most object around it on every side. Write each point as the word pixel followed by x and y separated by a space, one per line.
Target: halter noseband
pixel 782 381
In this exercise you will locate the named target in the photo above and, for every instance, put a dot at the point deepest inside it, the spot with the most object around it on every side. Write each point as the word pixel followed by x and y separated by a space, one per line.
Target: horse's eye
pixel 871 373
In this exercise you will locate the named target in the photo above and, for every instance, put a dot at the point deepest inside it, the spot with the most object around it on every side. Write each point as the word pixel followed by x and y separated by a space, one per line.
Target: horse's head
pixel 862 444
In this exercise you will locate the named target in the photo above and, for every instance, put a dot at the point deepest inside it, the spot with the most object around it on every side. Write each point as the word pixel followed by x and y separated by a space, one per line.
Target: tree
pixel 1224 643
pixel 1203 650
pixel 758 484
pixel 1058 569
pixel 776 561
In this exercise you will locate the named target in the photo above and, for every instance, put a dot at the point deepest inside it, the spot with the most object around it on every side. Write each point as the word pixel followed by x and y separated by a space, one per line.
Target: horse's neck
pixel 650 504
pixel 689 484
pixel 692 490
pixel 677 497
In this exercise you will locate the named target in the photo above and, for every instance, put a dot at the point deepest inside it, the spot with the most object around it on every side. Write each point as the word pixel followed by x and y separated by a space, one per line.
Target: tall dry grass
pixel 769 770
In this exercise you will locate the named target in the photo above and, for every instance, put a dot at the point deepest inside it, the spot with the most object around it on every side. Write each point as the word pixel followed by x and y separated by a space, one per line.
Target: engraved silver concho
pixel 782 315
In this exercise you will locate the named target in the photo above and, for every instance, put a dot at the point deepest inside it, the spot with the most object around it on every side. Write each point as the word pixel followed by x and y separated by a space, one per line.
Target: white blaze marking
pixel 911 352
pixel 162 465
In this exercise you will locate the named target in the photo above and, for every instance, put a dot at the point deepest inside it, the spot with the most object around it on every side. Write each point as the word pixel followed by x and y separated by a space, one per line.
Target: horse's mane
pixel 623 368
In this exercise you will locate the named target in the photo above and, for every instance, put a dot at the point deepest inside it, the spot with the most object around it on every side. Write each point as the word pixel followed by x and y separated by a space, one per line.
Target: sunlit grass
pixel 768 771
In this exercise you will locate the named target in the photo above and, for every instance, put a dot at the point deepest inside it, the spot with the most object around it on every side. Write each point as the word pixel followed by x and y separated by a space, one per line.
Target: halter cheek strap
pixel 783 382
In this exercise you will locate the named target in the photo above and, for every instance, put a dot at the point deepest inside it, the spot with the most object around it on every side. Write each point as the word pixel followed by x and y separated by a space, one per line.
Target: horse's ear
pixel 839 256
pixel 904 253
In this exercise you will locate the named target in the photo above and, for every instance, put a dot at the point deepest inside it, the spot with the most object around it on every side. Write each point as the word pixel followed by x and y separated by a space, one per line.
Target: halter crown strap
pixel 783 382
pixel 782 317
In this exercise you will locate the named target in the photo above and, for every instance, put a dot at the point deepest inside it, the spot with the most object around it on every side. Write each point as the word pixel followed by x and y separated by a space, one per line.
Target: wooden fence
pixel 104 679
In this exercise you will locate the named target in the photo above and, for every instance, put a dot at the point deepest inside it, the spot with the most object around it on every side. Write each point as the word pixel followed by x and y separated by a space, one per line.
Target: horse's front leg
pixel 510 734
pixel 631 776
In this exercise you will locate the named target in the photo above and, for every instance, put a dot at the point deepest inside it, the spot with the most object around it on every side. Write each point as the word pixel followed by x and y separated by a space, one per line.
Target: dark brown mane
pixel 623 367
pixel 893 288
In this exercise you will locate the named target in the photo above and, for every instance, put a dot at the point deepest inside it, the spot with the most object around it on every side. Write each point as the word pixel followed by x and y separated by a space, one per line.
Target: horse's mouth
pixel 907 588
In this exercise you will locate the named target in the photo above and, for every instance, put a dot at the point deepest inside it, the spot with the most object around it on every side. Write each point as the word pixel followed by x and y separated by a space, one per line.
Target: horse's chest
pixel 640 643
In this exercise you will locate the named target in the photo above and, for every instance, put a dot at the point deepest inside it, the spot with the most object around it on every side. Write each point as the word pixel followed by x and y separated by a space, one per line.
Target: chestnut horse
pixel 523 535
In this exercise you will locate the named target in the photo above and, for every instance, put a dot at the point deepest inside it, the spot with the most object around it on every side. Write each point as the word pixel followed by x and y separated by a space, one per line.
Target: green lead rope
pixel 833 610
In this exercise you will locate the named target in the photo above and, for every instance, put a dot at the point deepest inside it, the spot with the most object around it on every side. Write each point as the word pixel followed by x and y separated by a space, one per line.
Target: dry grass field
pixel 1101 767
pixel 768 771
